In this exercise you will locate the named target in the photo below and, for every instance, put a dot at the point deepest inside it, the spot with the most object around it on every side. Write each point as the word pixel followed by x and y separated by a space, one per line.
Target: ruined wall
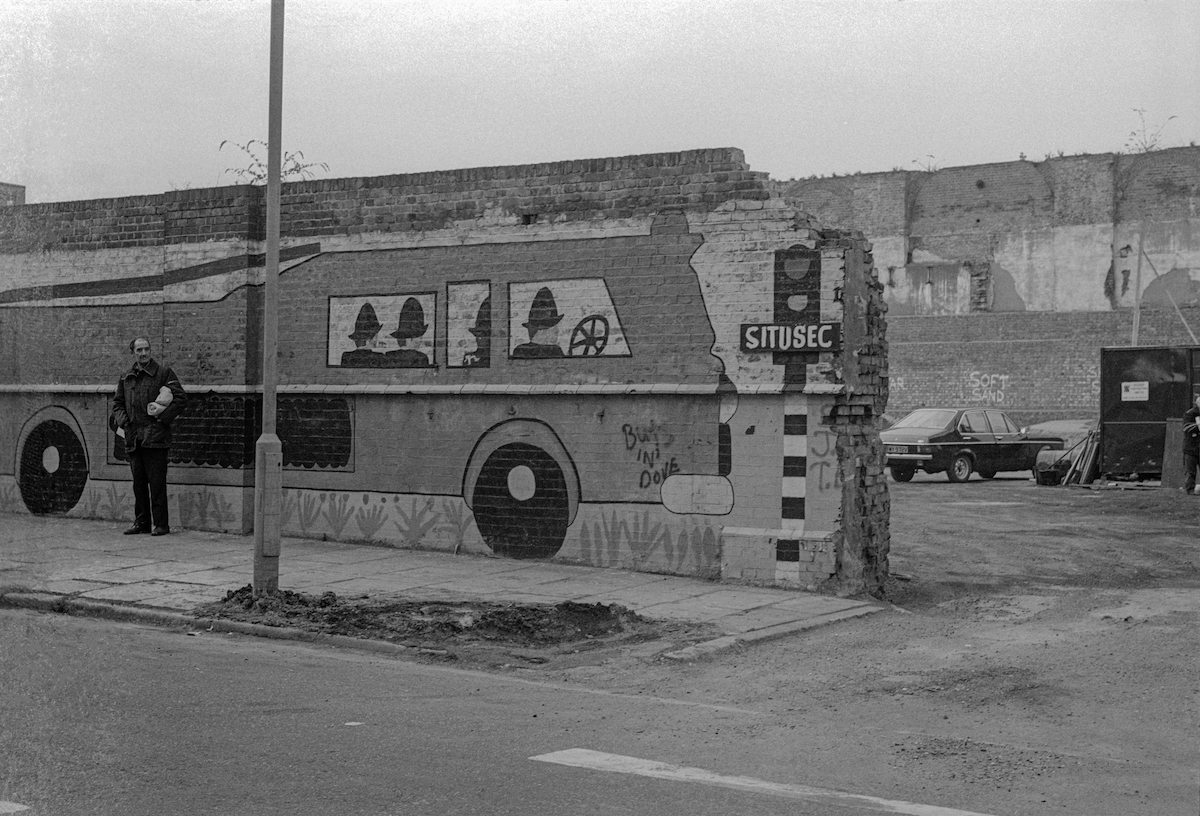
pixel 1004 280
pixel 541 361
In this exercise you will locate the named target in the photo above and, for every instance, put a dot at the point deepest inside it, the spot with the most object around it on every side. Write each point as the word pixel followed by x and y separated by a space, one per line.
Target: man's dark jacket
pixel 137 388
pixel 1191 434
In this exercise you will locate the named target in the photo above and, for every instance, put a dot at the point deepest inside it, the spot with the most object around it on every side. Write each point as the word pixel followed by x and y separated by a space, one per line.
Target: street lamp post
pixel 268 452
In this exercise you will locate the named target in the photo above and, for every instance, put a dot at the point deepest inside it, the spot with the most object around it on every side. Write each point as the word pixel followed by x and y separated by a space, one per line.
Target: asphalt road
pixel 107 718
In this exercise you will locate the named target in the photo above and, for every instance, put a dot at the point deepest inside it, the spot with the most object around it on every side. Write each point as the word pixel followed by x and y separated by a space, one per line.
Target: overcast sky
pixel 102 98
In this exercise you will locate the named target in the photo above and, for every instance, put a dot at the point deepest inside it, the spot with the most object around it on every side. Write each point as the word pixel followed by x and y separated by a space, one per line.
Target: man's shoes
pixel 136 530
pixel 161 531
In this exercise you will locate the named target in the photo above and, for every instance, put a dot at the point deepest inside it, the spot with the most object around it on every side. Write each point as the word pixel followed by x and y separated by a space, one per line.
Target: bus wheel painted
pixel 520 502
pixel 53 468
pixel 589 337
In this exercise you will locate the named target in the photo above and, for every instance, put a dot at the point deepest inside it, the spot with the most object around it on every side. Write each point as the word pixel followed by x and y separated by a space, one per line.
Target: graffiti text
pixel 988 388
pixel 647 443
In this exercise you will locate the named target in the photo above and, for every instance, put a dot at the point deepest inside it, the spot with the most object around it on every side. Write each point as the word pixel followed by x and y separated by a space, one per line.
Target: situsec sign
pixel 763 337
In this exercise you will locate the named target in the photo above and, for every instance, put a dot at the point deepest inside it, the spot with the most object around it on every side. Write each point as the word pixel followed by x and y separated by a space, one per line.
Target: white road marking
pixel 614 763
pixel 11 807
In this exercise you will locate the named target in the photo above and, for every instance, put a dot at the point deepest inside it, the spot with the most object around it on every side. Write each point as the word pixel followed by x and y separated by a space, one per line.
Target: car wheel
pixel 960 468
pixel 987 474
pixel 903 473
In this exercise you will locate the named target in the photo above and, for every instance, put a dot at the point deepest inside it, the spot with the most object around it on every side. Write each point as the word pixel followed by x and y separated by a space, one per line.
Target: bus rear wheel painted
pixel 521 503
pixel 53 468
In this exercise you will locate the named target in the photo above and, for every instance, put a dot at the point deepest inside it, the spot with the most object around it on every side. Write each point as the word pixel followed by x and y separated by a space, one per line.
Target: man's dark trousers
pixel 1190 462
pixel 149 466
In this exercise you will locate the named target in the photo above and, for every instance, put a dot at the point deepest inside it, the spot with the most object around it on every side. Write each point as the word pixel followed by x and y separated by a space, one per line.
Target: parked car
pixel 959 442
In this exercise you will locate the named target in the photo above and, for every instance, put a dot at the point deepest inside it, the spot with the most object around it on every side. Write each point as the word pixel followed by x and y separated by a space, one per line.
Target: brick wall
pixel 854 417
pixel 1038 367
pixel 568 191
pixel 1037 243
pixel 627 426
pixel 1159 186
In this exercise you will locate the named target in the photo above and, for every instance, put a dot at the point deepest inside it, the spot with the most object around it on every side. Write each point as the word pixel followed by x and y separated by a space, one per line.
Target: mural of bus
pixel 688 389
pixel 525 381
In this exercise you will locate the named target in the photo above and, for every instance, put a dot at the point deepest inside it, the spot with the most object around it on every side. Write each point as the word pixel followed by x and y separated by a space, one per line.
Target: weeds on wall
pixel 292 164
pixel 1144 138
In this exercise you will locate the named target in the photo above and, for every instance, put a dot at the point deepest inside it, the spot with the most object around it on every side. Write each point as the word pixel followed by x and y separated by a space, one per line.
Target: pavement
pixel 85 566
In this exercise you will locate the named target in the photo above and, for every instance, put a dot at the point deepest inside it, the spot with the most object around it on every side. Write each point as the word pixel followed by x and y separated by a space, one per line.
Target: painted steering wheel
pixel 589 337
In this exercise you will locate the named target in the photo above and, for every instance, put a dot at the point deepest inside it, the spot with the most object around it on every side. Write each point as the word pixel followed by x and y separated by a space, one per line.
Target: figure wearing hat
pixel 366 330
pixel 411 326
pixel 543 328
pixel 482 355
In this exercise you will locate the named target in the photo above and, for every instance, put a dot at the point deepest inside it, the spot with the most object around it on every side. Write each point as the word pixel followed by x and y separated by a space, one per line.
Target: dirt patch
pixel 535 633
pixel 1002 536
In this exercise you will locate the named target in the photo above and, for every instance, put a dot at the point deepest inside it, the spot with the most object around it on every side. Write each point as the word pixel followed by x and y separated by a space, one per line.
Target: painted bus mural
pixel 659 392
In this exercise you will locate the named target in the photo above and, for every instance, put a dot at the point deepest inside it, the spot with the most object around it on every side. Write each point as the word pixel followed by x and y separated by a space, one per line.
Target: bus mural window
pixel 469 325
pixel 358 335
pixel 564 318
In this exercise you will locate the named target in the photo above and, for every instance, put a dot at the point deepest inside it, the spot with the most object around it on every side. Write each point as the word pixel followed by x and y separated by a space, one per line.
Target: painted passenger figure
pixel 543 328
pixel 482 355
pixel 365 337
pixel 411 325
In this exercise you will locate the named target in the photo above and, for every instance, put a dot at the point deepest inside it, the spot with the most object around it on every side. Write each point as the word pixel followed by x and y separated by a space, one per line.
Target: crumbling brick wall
pixel 864 538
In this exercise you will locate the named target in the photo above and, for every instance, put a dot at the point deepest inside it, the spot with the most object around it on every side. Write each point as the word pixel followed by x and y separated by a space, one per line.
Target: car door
pixel 977 435
pixel 1009 449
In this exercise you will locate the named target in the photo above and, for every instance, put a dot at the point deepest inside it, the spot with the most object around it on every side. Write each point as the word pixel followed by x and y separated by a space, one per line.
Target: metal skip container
pixel 1144 392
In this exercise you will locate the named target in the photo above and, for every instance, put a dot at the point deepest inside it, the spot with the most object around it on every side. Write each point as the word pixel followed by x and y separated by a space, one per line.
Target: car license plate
pixel 897 449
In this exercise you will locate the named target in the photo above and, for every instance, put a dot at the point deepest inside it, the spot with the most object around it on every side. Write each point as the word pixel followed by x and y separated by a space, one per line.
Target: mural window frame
pixel 463 318
pixel 598 330
pixel 393 310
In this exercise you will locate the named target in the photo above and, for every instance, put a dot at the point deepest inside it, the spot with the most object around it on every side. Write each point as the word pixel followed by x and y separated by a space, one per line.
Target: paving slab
pixel 92 561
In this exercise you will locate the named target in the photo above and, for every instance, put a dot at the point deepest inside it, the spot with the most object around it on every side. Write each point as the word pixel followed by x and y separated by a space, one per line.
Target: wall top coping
pixel 725 159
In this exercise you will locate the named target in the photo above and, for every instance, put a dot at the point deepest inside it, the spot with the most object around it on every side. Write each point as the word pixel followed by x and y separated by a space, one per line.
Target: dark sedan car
pixel 961 441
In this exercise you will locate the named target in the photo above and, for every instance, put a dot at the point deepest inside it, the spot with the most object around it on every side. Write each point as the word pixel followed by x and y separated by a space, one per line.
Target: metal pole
pixel 268 453
pixel 1137 292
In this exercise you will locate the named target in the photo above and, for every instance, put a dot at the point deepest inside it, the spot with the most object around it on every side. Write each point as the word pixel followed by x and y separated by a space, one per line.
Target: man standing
pixel 147 434
pixel 1191 445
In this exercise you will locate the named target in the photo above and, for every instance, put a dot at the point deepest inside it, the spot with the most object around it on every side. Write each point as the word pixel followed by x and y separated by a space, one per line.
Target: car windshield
pixel 927 418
